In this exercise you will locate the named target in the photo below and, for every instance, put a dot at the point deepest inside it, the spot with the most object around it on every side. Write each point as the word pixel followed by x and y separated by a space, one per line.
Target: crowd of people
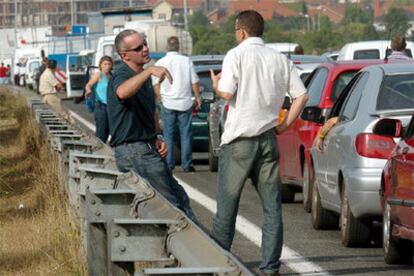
pixel 254 81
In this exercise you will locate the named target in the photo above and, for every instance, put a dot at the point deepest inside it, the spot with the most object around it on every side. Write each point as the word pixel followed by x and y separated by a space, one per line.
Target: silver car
pixel 347 173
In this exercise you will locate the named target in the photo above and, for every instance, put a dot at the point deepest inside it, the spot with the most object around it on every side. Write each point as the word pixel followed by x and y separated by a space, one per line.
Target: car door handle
pixel 405 150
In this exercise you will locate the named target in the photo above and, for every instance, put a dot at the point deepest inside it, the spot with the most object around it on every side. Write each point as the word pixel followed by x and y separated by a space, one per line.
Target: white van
pixel 375 49
pixel 32 65
pixel 21 56
pixel 286 48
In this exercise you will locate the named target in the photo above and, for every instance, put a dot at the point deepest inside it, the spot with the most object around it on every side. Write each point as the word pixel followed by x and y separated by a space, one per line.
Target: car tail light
pixel 297 62
pixel 226 108
pixel 194 112
pixel 374 146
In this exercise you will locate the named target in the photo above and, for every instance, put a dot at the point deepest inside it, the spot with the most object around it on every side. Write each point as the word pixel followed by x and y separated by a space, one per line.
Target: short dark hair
pixel 251 21
pixel 298 50
pixel 398 43
pixel 173 44
pixel 119 39
pixel 51 64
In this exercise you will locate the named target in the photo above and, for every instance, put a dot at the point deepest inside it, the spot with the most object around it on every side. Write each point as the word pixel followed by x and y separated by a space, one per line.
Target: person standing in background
pixel 3 73
pixel 177 103
pixel 254 80
pixel 398 45
pixel 100 80
pixel 48 87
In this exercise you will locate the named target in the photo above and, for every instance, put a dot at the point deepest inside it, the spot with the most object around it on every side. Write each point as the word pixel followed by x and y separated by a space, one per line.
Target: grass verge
pixel 37 236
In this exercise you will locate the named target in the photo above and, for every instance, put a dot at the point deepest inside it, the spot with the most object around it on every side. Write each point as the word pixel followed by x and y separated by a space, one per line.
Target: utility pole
pixel 185 16
pixel 15 24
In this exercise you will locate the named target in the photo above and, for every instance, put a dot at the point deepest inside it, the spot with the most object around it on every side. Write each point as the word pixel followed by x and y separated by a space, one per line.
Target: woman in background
pixel 100 80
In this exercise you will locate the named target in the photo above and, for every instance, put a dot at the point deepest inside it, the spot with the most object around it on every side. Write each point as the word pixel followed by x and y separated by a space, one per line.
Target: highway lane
pixel 322 248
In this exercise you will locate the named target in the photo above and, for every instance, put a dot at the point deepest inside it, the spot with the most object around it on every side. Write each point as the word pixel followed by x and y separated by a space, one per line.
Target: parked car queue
pixel 347 200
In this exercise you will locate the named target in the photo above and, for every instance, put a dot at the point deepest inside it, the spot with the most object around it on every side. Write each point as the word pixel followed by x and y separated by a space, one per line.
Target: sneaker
pixel 189 169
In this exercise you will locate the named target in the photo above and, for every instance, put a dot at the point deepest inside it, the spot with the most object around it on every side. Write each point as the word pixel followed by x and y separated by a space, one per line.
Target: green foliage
pixel 198 19
pixel 356 14
pixel 396 22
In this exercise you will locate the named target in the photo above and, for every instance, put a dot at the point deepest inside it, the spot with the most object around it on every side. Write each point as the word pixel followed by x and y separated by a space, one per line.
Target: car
pixel 324 86
pixel 397 194
pixel 375 49
pixel 302 59
pixel 199 124
pixel 218 115
pixel 347 173
pixel 283 47
pixel 32 65
pixel 207 59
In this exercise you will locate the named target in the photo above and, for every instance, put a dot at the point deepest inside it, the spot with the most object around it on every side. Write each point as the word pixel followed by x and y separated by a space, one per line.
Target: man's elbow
pixel 121 94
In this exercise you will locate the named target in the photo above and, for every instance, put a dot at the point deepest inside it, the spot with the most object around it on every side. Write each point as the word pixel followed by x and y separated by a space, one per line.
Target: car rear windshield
pixel 340 82
pixel 367 54
pixel 397 92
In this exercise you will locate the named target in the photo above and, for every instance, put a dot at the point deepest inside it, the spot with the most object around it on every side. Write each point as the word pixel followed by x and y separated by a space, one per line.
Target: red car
pixel 397 197
pixel 324 86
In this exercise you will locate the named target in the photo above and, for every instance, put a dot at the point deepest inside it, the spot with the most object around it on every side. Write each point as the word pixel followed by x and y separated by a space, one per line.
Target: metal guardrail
pixel 127 227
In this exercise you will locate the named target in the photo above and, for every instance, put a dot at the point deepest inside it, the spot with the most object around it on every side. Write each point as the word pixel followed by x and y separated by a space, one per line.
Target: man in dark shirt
pixel 133 122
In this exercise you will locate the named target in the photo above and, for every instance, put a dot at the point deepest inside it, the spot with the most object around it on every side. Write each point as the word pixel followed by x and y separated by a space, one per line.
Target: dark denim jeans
pixel 143 158
pixel 181 120
pixel 255 158
pixel 101 121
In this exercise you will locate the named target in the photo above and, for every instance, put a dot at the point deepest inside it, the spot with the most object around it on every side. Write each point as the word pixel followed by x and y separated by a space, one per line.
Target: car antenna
pixel 386 49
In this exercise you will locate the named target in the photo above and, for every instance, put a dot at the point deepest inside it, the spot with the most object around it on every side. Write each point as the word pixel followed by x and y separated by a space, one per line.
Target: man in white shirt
pixel 254 80
pixel 177 103
pixel 48 88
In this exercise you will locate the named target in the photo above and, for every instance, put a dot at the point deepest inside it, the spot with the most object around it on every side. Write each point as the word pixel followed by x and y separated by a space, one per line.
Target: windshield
pixel 397 92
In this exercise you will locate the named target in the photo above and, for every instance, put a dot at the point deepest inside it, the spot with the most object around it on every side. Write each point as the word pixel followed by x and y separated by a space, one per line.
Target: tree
pixel 356 14
pixel 396 22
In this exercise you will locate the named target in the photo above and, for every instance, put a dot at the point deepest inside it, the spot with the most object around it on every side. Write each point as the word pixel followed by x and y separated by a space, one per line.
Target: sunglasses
pixel 138 48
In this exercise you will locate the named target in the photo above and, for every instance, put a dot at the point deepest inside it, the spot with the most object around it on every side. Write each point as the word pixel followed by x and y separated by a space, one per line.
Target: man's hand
pixel 161 147
pixel 197 103
pixel 161 73
pixel 214 79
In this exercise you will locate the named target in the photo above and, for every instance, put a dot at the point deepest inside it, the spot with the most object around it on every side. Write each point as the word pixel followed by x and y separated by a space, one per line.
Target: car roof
pixel 393 67
pixel 206 68
pixel 308 58
pixel 207 59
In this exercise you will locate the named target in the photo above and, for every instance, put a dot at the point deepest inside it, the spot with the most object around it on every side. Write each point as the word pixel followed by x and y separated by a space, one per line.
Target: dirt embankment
pixel 36 234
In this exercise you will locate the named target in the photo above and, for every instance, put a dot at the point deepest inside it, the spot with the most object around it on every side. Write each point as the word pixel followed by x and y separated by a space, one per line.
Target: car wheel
pixel 395 250
pixel 212 159
pixel 307 188
pixel 288 194
pixel 321 218
pixel 353 231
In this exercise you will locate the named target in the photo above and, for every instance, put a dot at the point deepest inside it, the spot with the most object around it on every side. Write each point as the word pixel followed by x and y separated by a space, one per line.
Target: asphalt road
pixel 322 248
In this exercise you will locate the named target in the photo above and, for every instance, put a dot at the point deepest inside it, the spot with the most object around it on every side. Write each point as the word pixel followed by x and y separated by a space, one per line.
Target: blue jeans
pixel 143 158
pixel 101 121
pixel 255 158
pixel 181 120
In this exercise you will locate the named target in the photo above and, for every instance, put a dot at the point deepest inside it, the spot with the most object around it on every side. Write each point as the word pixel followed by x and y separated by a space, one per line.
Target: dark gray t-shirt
pixel 130 120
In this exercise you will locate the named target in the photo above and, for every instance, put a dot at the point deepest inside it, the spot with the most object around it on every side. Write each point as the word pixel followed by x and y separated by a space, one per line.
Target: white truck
pixel 374 49
pixel 21 57
pixel 156 33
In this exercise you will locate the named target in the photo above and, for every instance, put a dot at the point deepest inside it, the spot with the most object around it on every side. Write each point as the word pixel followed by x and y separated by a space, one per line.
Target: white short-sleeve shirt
pixel 178 95
pixel 47 83
pixel 260 78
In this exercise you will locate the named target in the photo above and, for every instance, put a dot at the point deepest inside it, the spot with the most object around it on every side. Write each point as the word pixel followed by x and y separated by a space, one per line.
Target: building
pixel 56 13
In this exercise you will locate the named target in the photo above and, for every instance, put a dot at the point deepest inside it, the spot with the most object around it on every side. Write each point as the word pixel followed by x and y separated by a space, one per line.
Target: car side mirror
pixel 313 114
pixel 388 127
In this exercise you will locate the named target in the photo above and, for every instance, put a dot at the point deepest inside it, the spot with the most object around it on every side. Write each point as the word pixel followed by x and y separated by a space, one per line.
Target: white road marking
pixel 83 121
pixel 250 231
pixel 253 233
